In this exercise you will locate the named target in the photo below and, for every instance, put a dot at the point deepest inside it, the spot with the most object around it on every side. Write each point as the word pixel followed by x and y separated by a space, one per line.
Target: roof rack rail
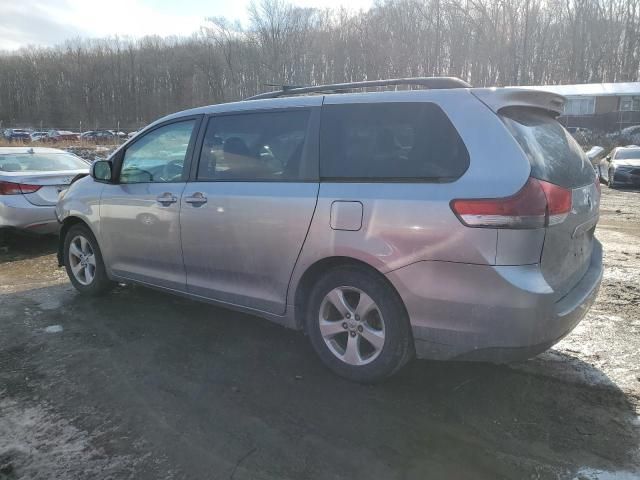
pixel 427 82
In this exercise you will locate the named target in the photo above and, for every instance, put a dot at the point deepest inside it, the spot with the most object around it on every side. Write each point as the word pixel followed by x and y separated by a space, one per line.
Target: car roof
pixel 495 98
pixel 26 150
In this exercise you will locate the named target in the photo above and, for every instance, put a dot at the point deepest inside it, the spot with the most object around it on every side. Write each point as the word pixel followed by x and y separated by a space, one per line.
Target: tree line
pixel 486 42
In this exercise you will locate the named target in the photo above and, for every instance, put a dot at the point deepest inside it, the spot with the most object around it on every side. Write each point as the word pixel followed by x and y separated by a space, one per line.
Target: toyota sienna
pixel 441 221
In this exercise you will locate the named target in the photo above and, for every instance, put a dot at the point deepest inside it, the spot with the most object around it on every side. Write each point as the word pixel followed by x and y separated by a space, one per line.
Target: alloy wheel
pixel 82 260
pixel 352 325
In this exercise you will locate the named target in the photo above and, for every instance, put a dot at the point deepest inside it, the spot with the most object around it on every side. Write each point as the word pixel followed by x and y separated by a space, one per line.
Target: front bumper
pixel 626 177
pixel 17 213
pixel 490 313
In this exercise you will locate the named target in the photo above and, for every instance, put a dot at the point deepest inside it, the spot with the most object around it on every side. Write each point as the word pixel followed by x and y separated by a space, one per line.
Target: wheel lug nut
pixel 360 328
pixel 345 326
pixel 348 315
pixel 352 333
pixel 358 317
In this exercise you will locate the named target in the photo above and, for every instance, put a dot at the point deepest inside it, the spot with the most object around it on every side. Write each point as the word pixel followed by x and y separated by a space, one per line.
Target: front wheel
pixel 610 176
pixel 358 325
pixel 83 262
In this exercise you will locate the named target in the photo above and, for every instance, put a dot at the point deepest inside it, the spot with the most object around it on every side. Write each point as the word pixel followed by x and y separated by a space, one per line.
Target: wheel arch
pixel 316 270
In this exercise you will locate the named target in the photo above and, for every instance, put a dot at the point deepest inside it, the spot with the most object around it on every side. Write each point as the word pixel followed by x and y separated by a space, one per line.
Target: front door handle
pixel 197 199
pixel 166 199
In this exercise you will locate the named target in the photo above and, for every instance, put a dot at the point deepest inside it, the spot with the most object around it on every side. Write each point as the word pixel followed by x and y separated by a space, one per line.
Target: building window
pixel 629 104
pixel 580 106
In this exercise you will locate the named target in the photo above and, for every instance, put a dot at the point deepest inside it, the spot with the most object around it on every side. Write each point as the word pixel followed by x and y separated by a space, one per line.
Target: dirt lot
pixel 142 385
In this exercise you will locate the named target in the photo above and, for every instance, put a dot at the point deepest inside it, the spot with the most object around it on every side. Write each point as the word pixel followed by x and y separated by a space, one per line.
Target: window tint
pixel 159 155
pixel 254 146
pixel 40 162
pixel 387 141
pixel 554 154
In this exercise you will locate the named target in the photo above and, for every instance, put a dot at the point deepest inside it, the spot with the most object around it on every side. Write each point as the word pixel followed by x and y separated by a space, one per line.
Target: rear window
pixel 627 154
pixel 390 141
pixel 554 154
pixel 40 162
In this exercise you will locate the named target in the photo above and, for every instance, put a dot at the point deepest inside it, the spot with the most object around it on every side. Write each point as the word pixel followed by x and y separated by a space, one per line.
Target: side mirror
pixel 101 171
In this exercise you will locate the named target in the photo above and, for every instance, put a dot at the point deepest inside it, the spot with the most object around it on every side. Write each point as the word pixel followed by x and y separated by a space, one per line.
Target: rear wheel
pixel 358 325
pixel 83 262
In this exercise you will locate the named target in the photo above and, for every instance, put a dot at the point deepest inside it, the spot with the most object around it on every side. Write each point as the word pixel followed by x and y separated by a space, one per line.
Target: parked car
pixel 595 154
pixel 60 135
pixel 621 167
pixel 367 220
pixel 17 135
pixel 38 136
pixel 30 180
pixel 98 135
pixel 118 134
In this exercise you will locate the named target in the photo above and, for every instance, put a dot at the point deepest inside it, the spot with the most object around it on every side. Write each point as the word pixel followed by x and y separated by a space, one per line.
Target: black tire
pixel 100 284
pixel 398 342
pixel 610 182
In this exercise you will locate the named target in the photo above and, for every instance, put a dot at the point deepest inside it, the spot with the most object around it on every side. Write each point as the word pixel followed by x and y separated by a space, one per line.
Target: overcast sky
pixel 49 22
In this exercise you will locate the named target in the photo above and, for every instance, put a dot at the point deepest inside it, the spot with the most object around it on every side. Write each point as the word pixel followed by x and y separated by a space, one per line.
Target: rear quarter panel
pixel 404 223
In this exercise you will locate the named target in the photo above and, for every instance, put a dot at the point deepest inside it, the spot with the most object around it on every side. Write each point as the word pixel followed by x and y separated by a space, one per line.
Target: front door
pixel 245 217
pixel 139 215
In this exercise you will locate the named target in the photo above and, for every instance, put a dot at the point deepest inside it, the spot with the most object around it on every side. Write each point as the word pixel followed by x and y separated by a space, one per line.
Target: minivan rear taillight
pixel 536 205
pixel 10 188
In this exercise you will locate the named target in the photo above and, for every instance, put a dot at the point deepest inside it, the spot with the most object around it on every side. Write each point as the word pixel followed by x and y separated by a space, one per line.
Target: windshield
pixel 40 162
pixel 627 154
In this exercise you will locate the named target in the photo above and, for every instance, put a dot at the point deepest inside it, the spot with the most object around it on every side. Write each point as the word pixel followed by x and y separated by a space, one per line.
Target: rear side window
pixel 553 153
pixel 390 142
pixel 264 146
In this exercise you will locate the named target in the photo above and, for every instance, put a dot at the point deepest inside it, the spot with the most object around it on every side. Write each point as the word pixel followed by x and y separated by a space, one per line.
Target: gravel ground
pixel 140 385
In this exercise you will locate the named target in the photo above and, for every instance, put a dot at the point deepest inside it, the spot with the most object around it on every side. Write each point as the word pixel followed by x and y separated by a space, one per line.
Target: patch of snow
pixel 54 329
pixel 594 474
pixel 35 441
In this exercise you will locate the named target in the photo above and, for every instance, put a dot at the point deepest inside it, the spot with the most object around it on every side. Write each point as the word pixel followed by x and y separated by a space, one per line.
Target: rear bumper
pixel 17 213
pixel 490 313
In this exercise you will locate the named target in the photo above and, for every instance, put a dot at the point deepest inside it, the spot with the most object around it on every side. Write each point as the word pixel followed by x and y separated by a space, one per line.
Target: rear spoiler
pixel 499 98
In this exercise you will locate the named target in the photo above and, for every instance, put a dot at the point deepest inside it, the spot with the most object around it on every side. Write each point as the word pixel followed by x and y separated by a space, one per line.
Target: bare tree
pixel 486 42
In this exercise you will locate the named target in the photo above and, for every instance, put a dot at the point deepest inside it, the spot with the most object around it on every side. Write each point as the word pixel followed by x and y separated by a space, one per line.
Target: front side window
pixel 159 156
pixel 265 146
pixel 390 141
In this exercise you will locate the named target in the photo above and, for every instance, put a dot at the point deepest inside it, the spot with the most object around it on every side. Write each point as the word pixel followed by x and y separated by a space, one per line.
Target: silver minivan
pixel 445 222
